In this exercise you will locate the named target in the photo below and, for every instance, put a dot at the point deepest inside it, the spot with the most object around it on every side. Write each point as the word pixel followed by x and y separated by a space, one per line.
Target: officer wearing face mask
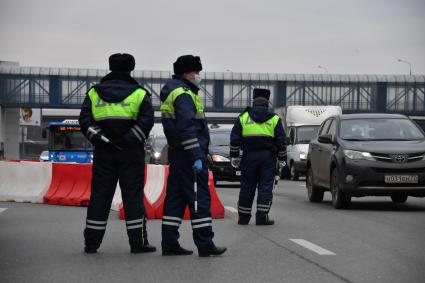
pixel 188 137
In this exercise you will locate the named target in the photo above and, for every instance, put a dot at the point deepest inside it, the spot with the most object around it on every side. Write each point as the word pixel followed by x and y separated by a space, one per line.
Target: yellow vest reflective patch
pixel 252 129
pixel 167 107
pixel 128 109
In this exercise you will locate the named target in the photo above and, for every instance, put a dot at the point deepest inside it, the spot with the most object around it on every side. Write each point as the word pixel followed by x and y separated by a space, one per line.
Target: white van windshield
pixel 306 133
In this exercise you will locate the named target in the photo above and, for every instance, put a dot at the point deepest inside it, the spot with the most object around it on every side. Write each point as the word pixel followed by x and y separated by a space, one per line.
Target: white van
pixel 302 124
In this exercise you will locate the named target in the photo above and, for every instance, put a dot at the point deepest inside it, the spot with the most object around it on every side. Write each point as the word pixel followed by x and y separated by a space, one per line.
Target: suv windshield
pixel 220 138
pixel 306 133
pixel 159 143
pixel 380 129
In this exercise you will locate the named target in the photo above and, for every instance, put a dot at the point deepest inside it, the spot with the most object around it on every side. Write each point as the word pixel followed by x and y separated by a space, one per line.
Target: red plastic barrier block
pixel 70 184
pixel 217 208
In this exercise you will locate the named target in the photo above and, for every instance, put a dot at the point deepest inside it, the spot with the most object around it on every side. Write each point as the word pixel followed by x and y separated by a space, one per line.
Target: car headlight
pixel 358 155
pixel 303 155
pixel 156 154
pixel 44 156
pixel 219 158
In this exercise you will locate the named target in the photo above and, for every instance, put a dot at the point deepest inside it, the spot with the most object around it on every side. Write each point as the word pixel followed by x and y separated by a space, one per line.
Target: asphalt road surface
pixel 375 241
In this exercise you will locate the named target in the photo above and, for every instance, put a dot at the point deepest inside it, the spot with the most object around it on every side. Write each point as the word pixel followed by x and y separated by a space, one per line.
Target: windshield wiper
pixel 390 140
pixel 356 140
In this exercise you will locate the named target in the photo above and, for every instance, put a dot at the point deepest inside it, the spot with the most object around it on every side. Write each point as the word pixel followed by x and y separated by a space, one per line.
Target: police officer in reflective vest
pixel 188 137
pixel 117 116
pixel 260 135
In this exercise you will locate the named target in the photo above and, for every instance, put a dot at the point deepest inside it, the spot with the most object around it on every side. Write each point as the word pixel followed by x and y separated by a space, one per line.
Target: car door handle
pixel 320 149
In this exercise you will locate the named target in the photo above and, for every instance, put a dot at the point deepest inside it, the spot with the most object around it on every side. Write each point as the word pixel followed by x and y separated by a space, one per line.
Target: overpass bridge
pixel 224 94
pixel 38 87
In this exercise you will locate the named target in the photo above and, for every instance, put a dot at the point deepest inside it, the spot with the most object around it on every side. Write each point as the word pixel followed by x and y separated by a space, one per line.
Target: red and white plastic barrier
pixel 155 191
pixel 24 181
pixel 70 184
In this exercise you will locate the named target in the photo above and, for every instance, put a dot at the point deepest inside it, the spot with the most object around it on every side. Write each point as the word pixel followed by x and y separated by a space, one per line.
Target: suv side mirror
pixel 325 138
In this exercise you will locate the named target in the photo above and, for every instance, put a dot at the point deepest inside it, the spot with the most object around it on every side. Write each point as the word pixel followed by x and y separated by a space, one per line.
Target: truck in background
pixel 66 143
pixel 302 124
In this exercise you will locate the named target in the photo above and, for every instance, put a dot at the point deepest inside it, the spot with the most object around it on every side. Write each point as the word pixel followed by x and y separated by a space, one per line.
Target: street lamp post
pixel 321 67
pixel 407 62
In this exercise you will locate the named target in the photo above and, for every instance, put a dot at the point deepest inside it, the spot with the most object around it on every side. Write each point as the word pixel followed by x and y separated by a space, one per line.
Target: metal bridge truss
pixel 224 92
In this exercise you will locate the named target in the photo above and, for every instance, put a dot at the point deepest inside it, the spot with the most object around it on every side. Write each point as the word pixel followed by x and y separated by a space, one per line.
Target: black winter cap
pixel 121 62
pixel 261 92
pixel 187 63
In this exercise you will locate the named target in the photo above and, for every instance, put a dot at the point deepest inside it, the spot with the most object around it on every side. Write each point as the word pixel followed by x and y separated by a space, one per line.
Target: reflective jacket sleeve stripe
pixel 189 141
pixel 191 146
pixel 139 130
pixel 136 134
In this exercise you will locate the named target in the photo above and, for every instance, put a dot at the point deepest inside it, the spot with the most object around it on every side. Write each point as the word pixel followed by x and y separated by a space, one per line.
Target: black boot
pixel 264 220
pixel 89 250
pixel 213 251
pixel 176 251
pixel 243 220
pixel 146 248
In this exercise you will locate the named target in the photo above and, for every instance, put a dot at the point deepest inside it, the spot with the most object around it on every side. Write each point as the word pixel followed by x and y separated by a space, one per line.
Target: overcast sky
pixel 282 36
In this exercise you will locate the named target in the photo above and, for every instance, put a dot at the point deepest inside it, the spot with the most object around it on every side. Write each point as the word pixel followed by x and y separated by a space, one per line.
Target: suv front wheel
pixel 315 194
pixel 339 199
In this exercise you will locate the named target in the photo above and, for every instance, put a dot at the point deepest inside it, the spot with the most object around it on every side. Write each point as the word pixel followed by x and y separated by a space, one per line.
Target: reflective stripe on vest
pixel 128 109
pixel 252 129
pixel 167 107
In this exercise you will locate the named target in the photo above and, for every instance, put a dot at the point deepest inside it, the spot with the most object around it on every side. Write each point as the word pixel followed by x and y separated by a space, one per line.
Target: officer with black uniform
pixel 117 116
pixel 188 137
pixel 260 135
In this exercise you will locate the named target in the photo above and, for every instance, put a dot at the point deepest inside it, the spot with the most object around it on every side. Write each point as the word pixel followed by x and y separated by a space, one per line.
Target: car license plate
pixel 401 179
pixel 238 173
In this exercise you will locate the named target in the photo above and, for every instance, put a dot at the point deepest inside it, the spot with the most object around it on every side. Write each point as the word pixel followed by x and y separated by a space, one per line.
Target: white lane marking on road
pixel 2 209
pixel 315 248
pixel 231 209
pixel 301 185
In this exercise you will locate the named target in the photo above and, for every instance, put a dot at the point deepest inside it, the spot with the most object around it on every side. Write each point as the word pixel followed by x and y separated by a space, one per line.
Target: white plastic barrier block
pixel 24 181
pixel 154 185
pixel 155 180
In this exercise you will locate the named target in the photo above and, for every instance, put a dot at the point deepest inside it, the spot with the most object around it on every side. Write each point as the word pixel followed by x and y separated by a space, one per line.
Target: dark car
pixel 360 155
pixel 155 152
pixel 219 159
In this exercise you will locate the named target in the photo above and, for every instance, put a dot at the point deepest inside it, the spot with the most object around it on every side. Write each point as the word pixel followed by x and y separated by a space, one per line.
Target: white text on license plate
pixel 401 179
pixel 238 173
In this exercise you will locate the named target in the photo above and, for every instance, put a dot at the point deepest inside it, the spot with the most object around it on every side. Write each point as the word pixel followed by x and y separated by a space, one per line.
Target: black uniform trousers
pixel 257 170
pixel 109 167
pixel 180 193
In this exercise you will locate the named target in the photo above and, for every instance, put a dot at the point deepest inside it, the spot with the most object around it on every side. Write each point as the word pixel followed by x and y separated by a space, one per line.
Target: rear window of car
pixel 380 129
